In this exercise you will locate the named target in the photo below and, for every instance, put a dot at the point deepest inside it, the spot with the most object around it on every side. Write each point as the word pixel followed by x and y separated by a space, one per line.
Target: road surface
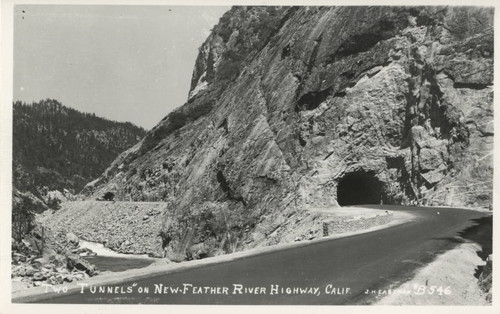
pixel 339 271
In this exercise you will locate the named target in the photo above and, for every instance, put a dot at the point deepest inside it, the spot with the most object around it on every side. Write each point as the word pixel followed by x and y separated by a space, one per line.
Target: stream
pixel 109 260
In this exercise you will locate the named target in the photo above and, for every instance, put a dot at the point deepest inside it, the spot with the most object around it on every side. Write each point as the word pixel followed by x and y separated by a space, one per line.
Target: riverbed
pixel 109 260
pixel 115 264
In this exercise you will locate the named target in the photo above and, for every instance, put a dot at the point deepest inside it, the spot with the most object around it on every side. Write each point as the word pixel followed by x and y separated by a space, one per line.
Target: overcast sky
pixel 125 63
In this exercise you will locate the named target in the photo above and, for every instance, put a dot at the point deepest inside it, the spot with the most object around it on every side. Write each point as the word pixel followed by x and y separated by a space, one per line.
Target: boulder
pixel 30 271
pixel 26 243
pixel 38 276
pixel 62 270
pixel 78 276
pixel 39 262
pixel 75 261
pixel 18 271
pixel 48 252
pixel 55 280
pixel 46 272
pixel 433 177
pixel 72 238
pixel 68 278
pixel 197 251
pixel 49 267
pixel 430 159
pixel 58 260
pixel 18 257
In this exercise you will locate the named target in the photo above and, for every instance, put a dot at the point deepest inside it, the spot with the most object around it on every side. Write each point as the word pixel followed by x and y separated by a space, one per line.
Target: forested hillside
pixel 56 147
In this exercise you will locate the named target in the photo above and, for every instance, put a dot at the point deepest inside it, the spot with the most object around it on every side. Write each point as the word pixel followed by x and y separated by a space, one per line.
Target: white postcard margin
pixel 6 75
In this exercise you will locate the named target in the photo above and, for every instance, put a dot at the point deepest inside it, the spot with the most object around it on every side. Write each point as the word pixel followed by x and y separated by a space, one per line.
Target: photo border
pixel 6 95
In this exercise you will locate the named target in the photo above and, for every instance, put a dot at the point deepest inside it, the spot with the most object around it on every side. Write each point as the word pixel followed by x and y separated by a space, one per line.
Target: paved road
pixel 347 266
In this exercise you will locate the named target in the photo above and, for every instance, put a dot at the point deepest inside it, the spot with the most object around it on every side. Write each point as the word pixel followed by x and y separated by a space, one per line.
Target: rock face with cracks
pixel 291 106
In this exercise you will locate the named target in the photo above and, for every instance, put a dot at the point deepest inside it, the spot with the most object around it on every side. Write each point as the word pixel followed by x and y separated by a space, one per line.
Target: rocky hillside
pixel 136 227
pixel 294 108
pixel 57 148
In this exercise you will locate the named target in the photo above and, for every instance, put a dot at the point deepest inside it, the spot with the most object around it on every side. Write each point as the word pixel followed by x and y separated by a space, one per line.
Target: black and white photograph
pixel 234 154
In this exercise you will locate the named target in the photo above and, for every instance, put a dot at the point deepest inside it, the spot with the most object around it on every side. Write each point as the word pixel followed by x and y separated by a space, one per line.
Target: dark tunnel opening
pixel 359 188
pixel 109 196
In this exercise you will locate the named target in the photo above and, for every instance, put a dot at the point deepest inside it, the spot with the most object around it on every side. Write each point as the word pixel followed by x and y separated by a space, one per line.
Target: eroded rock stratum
pixel 294 108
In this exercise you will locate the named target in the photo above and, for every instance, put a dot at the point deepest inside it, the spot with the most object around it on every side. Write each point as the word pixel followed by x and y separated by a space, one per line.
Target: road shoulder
pixel 448 280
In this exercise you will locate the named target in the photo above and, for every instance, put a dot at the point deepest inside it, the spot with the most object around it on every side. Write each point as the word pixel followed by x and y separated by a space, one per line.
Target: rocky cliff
pixel 293 108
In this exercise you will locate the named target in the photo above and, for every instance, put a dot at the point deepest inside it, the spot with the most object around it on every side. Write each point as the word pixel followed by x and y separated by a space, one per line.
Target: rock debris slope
pixel 297 107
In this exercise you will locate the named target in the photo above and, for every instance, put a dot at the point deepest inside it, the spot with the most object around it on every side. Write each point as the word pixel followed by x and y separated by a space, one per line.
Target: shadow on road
pixel 481 233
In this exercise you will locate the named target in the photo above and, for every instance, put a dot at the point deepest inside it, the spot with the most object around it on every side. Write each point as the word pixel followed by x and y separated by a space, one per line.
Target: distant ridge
pixel 57 148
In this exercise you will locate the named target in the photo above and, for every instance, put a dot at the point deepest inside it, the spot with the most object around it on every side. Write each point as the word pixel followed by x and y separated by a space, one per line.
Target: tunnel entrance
pixel 109 196
pixel 358 188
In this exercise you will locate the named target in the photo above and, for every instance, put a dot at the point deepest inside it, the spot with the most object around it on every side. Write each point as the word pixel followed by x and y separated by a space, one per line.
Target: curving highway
pixel 340 271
